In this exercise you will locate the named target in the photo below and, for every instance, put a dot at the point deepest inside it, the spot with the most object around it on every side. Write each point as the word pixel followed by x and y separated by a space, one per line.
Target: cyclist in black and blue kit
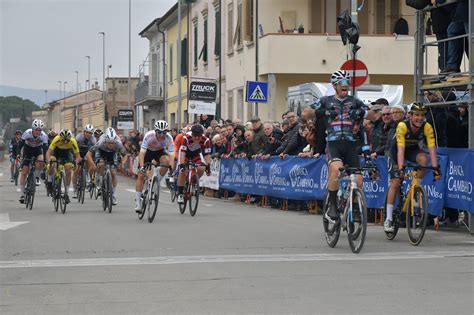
pixel 13 149
pixel 340 112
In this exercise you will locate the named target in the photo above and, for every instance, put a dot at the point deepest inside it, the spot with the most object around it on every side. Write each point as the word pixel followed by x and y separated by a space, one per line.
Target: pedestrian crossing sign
pixel 257 92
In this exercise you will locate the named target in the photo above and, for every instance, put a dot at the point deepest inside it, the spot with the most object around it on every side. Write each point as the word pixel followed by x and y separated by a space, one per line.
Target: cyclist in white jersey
pixel 154 148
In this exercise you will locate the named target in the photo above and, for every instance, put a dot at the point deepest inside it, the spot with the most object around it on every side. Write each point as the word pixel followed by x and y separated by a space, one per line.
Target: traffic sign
pixel 257 92
pixel 359 76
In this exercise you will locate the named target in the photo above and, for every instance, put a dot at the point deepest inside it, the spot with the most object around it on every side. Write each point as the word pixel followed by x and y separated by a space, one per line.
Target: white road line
pixel 1 174
pixel 172 260
pixel 5 223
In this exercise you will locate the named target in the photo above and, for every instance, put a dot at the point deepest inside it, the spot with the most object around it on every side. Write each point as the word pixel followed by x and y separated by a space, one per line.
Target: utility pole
pixel 77 81
pixel 103 77
pixel 178 72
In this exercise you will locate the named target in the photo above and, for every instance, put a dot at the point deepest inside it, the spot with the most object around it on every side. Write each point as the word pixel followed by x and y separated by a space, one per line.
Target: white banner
pixel 124 124
pixel 200 107
pixel 211 181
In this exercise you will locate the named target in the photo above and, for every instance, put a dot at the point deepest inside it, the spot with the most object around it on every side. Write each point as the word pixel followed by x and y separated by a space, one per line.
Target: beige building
pixel 117 98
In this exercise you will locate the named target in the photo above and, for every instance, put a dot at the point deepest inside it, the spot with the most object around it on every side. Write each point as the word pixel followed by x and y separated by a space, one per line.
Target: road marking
pixel 1 174
pixel 5 223
pixel 172 260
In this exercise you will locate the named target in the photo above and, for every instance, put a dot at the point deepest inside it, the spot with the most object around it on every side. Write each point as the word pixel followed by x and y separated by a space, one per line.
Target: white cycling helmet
pixel 110 134
pixel 37 124
pixel 89 128
pixel 340 75
pixel 161 125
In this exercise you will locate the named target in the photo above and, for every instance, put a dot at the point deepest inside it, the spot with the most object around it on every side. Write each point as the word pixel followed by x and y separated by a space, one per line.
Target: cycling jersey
pixel 70 145
pixel 151 143
pixel 193 149
pixel 407 138
pixel 178 142
pixel 32 141
pixel 13 149
pixel 339 116
pixel 103 146
pixel 84 143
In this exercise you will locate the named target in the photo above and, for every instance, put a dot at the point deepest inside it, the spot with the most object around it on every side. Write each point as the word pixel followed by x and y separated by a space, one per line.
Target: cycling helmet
pixel 417 107
pixel 161 125
pixel 197 129
pixel 98 132
pixel 52 134
pixel 65 134
pixel 339 75
pixel 89 128
pixel 110 134
pixel 37 124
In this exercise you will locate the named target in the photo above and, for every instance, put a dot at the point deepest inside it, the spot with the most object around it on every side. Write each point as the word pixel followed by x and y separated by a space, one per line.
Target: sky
pixel 46 41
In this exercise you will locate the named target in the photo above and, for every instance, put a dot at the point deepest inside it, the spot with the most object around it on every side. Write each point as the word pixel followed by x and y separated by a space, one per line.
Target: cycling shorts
pixel 154 155
pixel 30 153
pixel 63 155
pixel 343 150
pixel 410 156
pixel 108 157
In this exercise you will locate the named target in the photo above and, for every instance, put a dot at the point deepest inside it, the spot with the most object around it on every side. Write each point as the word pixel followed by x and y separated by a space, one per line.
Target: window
pixel 238 27
pixel 380 17
pixel 171 63
pixel 173 120
pixel 387 12
pixel 248 20
pixel 217 40
pixel 195 48
pixel 230 28
pixel 184 57
pixel 203 53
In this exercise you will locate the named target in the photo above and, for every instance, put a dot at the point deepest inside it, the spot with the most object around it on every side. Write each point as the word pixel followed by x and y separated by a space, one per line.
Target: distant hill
pixel 36 96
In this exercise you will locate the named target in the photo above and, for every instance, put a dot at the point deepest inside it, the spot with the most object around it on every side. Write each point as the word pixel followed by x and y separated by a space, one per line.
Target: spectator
pixel 258 135
pixel 438 117
pixel 237 121
pixel 308 114
pixel 452 133
pixel 289 145
pixel 174 132
pixel 238 145
pixel 272 140
pixel 441 18
pixel 398 115
pixel 361 139
pixel 276 125
pixel 218 147
pixel 249 151
pixel 285 125
pixel 311 139
pixel 205 120
pixel 379 135
pixel 463 126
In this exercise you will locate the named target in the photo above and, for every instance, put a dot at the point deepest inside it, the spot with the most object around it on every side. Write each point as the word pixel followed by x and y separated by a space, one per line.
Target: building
pixel 149 95
pixel 117 98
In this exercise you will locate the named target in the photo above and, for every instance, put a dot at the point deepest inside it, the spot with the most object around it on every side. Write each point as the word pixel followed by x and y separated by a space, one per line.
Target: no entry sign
pixel 359 76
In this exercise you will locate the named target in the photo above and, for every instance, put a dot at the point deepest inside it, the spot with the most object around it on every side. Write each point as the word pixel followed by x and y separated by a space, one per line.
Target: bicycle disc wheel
pixel 154 199
pixel 194 195
pixel 331 235
pixel 395 216
pixel 357 222
pixel 63 193
pixel 416 224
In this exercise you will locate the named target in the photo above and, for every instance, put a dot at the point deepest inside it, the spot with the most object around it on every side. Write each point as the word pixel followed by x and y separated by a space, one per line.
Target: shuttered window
pixel 248 17
pixel 380 17
pixel 195 46
pixel 203 53
pixel 230 28
pixel 184 57
pixel 217 39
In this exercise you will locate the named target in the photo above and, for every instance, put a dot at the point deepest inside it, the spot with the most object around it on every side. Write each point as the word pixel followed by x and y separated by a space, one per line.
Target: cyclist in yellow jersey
pixel 411 136
pixel 63 148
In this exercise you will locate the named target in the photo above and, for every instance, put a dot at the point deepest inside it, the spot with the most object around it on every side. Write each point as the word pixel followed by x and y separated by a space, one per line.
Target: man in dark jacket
pixel 287 144
pixel 272 140
pixel 437 117
pixel 441 18
pixel 380 133
pixel 258 134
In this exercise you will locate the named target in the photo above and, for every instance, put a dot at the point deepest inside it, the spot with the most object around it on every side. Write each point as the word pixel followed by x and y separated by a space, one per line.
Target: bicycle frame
pixel 409 196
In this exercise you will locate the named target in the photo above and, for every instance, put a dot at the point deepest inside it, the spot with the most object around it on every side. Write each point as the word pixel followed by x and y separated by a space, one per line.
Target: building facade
pixel 117 98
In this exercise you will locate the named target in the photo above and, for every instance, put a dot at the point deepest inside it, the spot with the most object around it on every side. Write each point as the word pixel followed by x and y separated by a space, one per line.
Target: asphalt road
pixel 229 258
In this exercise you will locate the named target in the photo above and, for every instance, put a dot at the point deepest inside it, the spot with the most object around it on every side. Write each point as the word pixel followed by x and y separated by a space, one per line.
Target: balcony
pixel 317 53
pixel 148 93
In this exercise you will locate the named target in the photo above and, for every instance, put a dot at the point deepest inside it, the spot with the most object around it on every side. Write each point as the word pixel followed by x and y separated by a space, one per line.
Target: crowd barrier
pixel 306 179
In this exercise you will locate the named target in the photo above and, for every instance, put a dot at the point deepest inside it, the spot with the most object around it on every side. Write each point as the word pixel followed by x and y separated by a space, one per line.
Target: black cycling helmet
pixel 52 134
pixel 197 129
pixel 98 132
pixel 417 107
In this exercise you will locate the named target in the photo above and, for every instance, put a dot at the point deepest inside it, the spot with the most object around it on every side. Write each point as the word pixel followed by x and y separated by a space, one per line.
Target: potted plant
pixel 301 29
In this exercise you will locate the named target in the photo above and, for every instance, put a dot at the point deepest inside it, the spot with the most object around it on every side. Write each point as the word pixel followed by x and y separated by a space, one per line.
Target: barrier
pixel 211 181
pixel 306 179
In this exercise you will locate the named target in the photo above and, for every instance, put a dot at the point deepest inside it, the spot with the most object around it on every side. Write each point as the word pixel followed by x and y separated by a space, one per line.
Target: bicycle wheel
pixel 331 234
pixel 103 193
pixel 194 195
pixel 182 206
pixel 31 191
pixel 63 193
pixel 173 191
pixel 56 192
pixel 110 192
pixel 395 216
pixel 154 199
pixel 144 202
pixel 16 174
pixel 416 223
pixel 81 185
pixel 357 221
pixel 26 191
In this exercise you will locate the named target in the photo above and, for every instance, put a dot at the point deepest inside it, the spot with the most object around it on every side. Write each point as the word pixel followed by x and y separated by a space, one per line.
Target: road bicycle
pixel 172 184
pixel 191 189
pixel 151 196
pixel 30 184
pixel 414 203
pixel 59 192
pixel 92 187
pixel 106 188
pixel 16 170
pixel 353 218
pixel 81 182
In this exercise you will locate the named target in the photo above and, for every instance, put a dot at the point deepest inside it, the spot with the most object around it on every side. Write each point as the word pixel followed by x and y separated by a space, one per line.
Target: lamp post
pixel 77 81
pixel 88 72
pixel 59 89
pixel 46 96
pixel 108 68
pixel 130 53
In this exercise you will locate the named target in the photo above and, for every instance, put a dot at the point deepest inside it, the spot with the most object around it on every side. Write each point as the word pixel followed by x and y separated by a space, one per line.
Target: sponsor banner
pixel 125 115
pixel 125 125
pixel 200 107
pixel 375 191
pixel 211 181
pixel 459 178
pixel 203 91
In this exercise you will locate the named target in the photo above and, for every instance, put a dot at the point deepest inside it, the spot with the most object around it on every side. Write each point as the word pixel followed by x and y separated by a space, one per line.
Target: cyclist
pixel 411 136
pixel 14 152
pixel 51 135
pixel 154 147
pixel 34 143
pixel 340 113
pixel 85 141
pixel 63 148
pixel 97 133
pixel 197 148
pixel 105 150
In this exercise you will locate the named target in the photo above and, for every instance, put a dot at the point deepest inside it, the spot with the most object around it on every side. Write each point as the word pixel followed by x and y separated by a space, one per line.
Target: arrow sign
pixel 5 223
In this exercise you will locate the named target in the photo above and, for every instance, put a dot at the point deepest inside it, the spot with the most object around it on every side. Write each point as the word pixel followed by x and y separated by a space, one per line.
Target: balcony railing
pixel 146 90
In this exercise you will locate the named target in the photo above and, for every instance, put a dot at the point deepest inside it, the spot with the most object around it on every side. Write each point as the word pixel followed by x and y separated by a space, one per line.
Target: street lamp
pixel 46 96
pixel 59 89
pixel 88 72
pixel 77 81
pixel 108 68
